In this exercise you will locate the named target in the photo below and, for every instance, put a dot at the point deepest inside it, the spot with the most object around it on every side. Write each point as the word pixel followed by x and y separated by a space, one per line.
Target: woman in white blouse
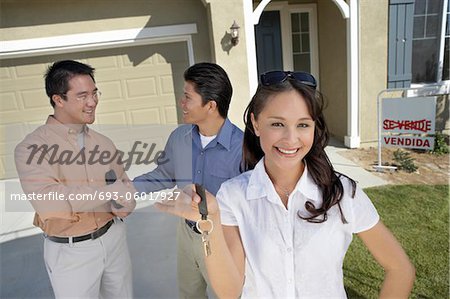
pixel 282 228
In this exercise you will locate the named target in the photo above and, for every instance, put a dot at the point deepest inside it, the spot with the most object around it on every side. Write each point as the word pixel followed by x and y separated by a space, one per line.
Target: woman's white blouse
pixel 285 255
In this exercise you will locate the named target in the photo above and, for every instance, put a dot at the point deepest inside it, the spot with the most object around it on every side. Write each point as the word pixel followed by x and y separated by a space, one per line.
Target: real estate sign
pixel 407 122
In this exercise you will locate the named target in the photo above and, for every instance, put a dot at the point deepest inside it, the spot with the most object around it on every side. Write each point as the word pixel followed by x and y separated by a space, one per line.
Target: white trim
pixel 190 50
pixel 97 40
pixel 443 87
pixel 352 139
pixel 258 11
pixel 343 7
pixel 252 66
pixel 442 43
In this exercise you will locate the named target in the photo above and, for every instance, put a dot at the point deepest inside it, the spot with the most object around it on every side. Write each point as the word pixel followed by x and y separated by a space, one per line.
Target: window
pixel 301 41
pixel 430 47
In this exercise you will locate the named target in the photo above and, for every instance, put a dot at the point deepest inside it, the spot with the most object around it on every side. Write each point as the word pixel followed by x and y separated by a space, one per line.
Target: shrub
pixel 405 161
pixel 440 144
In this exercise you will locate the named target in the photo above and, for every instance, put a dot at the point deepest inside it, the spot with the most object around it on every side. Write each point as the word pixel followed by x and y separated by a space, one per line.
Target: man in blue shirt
pixel 215 145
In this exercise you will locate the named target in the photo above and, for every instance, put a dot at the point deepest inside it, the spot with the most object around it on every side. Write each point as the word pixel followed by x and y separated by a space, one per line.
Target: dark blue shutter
pixel 401 15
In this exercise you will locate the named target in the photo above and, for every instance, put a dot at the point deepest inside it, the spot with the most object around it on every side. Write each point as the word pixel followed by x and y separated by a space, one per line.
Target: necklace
pixel 284 191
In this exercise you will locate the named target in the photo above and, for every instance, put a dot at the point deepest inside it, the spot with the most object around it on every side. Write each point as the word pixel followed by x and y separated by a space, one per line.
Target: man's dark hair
pixel 212 83
pixel 59 74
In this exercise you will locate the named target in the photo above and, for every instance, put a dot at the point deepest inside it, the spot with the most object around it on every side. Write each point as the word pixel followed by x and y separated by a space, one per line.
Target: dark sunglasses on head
pixel 276 77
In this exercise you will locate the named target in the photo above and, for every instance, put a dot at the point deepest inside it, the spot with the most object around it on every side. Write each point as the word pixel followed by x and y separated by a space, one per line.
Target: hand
pixel 186 204
pixel 127 207
pixel 119 213
pixel 127 191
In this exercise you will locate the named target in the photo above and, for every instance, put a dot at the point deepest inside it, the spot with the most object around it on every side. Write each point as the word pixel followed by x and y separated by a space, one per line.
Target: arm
pixel 125 205
pixel 399 272
pixel 162 177
pixel 43 178
pixel 226 264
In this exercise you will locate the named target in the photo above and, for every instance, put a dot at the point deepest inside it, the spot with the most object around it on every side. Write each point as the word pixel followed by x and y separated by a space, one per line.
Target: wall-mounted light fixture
pixel 234 33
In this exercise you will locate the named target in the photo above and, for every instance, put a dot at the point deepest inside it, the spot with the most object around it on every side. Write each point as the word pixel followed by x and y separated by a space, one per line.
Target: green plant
pixel 405 161
pixel 440 144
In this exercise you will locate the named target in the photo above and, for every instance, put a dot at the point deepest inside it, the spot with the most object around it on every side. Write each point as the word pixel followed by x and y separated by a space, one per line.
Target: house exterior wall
pixel 333 66
pixel 44 18
pixel 373 20
pixel 232 58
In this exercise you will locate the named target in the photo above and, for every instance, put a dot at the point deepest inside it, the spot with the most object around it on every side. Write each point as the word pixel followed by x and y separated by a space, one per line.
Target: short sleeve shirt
pixel 287 257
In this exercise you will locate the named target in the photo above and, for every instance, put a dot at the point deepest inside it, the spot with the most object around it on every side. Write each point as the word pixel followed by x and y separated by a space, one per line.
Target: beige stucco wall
pixel 43 18
pixel 333 66
pixel 373 64
pixel 442 114
pixel 232 58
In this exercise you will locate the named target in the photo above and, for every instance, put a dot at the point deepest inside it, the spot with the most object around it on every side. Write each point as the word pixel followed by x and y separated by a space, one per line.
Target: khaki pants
pixel 192 275
pixel 99 268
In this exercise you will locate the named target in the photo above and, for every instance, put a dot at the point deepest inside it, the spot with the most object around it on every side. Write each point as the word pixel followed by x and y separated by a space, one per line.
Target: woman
pixel 282 228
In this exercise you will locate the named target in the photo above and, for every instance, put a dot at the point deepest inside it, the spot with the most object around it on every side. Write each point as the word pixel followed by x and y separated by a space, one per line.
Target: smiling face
pixel 286 131
pixel 80 101
pixel 194 112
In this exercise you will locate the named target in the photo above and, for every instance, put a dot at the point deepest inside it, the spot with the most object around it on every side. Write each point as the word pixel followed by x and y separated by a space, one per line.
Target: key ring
pixel 197 225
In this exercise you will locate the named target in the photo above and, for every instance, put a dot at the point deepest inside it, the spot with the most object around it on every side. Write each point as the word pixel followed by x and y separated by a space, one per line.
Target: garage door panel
pixel 16 85
pixel 104 63
pixel 146 102
pixel 142 87
pixel 111 91
pixel 145 116
pixel 166 83
pixel 9 102
pixel 170 114
pixel 38 115
pixel 10 137
pixel 27 71
pixel 111 117
pixel 33 99
pixel 5 73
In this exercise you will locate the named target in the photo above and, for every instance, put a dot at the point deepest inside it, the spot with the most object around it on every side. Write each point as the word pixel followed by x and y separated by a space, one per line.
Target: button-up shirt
pixel 287 257
pixel 63 171
pixel 186 161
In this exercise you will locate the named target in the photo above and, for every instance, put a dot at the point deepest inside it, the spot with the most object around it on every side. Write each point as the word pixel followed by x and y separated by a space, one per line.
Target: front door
pixel 268 42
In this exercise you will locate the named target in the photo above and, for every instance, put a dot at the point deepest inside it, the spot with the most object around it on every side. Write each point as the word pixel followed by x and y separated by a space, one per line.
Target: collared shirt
pixel 188 162
pixel 287 257
pixel 67 170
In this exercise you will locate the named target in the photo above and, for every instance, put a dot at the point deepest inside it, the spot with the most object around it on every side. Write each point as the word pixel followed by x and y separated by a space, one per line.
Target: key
pixel 203 209
pixel 205 240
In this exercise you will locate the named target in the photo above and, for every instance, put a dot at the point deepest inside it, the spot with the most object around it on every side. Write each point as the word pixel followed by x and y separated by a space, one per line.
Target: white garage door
pixel 140 85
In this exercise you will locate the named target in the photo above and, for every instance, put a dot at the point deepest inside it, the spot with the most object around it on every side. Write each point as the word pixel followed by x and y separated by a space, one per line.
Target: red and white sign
pixel 414 117
pixel 409 142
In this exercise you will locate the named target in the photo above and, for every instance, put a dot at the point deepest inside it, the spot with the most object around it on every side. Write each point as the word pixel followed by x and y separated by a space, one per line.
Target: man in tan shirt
pixel 85 249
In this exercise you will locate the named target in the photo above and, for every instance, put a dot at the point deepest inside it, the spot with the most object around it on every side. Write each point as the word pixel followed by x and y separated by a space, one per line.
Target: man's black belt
pixel 94 235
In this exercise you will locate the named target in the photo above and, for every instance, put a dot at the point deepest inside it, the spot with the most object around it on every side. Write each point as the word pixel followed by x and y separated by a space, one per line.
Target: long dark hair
pixel 319 165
